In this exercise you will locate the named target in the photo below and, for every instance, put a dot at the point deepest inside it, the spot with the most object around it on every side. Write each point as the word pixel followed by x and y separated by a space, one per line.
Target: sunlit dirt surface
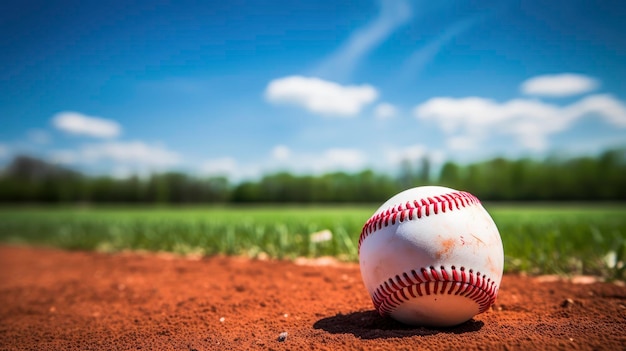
pixel 54 299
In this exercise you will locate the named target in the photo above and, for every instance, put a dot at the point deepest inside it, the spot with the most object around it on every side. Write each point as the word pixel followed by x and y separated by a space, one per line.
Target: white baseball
pixel 431 256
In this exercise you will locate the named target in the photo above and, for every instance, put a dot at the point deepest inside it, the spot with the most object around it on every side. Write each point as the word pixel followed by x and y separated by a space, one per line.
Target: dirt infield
pixel 53 299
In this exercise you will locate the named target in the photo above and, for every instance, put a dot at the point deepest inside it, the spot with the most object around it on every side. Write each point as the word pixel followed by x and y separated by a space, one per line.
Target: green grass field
pixel 543 239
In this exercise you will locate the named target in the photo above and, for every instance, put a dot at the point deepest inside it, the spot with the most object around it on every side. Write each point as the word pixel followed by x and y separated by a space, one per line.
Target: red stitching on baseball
pixel 393 292
pixel 416 210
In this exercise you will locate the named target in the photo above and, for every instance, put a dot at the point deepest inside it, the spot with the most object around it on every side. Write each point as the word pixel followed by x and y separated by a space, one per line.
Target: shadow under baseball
pixel 370 325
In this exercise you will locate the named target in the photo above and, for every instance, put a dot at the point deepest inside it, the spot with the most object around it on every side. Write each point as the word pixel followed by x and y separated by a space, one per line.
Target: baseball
pixel 431 256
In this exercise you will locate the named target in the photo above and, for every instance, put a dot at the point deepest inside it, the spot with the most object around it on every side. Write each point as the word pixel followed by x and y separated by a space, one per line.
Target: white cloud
pixel 66 157
pixel 125 172
pixel 321 96
pixel 329 160
pixel 409 153
pixel 225 166
pixel 39 136
pixel 342 62
pixel 134 154
pixel 131 152
pixel 530 122
pixel 348 159
pixel 281 153
pixel 462 143
pixel 605 105
pixel 385 110
pixel 394 156
pixel 333 159
pixel 80 124
pixel 559 85
pixel 320 162
pixel 231 168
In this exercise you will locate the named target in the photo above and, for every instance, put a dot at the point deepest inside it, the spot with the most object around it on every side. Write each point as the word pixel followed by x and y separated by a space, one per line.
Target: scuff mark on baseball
pixel 445 247
pixel 431 256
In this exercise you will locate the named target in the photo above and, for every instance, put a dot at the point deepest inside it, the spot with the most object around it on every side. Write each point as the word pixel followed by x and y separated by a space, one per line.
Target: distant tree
pixel 450 175
pixel 424 171
pixel 215 190
pixel 407 177
pixel 246 192
pixel 27 179
pixel 32 169
pixel 33 180
pixel 612 174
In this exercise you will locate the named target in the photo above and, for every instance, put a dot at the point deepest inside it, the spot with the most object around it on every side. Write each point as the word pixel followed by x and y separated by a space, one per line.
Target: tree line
pixel 600 178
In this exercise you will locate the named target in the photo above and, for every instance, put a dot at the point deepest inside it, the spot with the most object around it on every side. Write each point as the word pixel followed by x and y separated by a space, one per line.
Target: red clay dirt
pixel 54 299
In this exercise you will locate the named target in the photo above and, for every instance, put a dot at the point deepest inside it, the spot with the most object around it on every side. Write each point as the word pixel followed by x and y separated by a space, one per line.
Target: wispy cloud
pixel 134 155
pixel 463 143
pixel 283 158
pixel 468 121
pixel 235 170
pixel 354 159
pixel 408 153
pixel 338 158
pixel 332 159
pixel 132 152
pixel 281 153
pixel 224 166
pixel 321 96
pixel 423 56
pixel 81 124
pixel 385 110
pixel 395 155
pixel 342 63
pixel 559 85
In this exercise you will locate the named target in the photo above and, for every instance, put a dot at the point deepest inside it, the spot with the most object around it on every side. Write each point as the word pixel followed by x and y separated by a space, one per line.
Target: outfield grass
pixel 581 239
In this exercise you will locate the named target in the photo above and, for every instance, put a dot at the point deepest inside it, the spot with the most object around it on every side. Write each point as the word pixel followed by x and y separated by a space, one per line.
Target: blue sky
pixel 244 88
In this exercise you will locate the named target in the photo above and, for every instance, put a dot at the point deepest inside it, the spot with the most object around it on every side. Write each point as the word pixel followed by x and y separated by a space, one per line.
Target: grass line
pixel 580 239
